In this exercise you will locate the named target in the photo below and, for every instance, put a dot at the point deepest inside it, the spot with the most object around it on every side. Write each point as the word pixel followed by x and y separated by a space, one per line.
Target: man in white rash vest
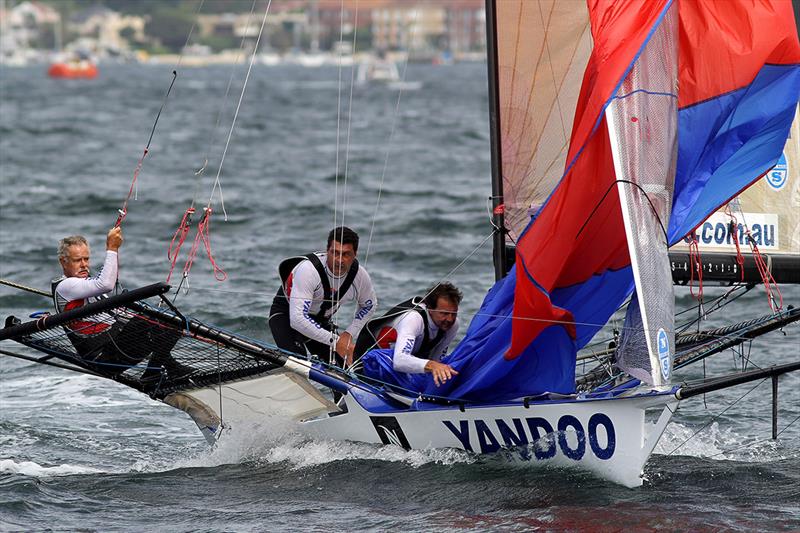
pixel 109 343
pixel 313 288
pixel 421 336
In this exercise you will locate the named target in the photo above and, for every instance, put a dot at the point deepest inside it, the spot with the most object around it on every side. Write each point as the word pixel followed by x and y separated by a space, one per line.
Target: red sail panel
pixel 579 232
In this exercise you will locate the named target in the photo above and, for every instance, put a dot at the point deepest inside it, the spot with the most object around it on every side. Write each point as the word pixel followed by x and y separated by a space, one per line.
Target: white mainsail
pixel 542 52
pixel 643 124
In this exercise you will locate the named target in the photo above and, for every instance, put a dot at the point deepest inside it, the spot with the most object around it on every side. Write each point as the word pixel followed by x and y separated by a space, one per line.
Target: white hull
pixel 611 438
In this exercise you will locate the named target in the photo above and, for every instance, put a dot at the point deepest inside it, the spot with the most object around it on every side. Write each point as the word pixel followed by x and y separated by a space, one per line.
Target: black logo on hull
pixel 389 431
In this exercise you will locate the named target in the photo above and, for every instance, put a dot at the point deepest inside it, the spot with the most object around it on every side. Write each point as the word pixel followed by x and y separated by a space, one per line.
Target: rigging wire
pixel 337 297
pixel 185 224
pixel 389 141
pixel 123 212
pixel 349 120
pixel 646 196
pixel 338 121
pixel 331 349
pixel 217 182
pixel 204 226
pixel 224 101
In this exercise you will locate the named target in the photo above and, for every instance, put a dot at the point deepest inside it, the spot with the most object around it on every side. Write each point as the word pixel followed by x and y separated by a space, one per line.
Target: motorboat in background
pixel 78 65
pixel 380 69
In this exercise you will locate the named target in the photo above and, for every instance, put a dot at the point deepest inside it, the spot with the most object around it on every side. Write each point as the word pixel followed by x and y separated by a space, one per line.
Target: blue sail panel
pixel 727 142
pixel 547 365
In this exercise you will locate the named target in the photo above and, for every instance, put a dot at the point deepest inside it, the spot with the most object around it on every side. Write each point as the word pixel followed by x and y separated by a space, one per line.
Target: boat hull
pixel 64 70
pixel 610 437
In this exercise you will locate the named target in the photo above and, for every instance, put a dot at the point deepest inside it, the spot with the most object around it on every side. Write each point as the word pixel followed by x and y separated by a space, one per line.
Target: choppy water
pixel 82 453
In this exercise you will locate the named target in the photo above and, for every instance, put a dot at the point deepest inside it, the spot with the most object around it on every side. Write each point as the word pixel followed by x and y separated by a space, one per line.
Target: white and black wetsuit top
pixel 74 292
pixel 410 328
pixel 306 295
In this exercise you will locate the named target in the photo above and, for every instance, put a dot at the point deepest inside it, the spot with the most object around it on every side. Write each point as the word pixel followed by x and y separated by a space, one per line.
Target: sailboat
pixel 615 133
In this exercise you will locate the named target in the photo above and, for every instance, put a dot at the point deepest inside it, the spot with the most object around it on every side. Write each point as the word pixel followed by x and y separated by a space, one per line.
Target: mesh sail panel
pixel 633 342
pixel 151 349
pixel 642 122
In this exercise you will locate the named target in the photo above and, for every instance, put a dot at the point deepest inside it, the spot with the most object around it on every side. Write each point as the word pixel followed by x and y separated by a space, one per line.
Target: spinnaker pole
pixel 499 241
pixel 723 382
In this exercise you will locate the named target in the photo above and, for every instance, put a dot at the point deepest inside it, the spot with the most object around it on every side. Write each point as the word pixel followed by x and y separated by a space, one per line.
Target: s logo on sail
pixel 663 353
pixel 777 177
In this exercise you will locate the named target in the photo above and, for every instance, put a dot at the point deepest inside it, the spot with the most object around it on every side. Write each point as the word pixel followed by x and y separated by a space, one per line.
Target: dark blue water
pixel 83 453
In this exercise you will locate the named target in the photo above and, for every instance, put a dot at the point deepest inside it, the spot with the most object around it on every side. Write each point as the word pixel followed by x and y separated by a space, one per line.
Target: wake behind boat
pixel 616 182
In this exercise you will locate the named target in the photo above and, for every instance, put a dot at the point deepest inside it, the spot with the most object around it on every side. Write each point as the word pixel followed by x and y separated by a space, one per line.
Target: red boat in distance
pixel 73 69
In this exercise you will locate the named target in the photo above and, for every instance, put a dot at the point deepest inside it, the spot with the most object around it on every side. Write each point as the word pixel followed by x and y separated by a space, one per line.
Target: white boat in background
pixel 379 70
pixel 270 59
pixel 318 59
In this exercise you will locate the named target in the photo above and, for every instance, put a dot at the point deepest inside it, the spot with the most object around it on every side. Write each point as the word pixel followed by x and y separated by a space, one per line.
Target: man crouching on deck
pixel 312 288
pixel 110 343
pixel 421 336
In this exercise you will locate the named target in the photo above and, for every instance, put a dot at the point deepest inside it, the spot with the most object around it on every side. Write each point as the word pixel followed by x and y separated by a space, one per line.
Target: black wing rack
pixel 693 347
pixel 154 350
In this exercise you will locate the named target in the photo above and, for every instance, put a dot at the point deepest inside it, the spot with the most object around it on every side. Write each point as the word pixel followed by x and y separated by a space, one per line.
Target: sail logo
pixel 716 231
pixel 535 435
pixel 663 353
pixel 778 176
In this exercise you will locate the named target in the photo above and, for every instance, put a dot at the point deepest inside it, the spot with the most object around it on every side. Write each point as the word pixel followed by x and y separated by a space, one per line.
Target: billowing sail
pixel 542 50
pixel 643 129
pixel 572 269
pixel 738 85
pixel 738 96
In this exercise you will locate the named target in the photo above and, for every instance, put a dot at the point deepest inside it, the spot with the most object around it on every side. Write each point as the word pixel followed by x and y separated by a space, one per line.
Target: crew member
pixel 109 343
pixel 312 290
pixel 421 332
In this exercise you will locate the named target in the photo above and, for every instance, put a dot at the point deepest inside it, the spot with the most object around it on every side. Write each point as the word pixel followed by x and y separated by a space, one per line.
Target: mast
pixel 499 240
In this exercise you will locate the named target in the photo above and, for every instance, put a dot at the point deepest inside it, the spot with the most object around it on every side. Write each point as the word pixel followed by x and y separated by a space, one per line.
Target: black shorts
pixel 292 340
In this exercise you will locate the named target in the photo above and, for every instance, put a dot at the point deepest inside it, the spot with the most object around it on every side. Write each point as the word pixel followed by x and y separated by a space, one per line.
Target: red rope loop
pixel 770 285
pixel 204 236
pixel 695 265
pixel 179 235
